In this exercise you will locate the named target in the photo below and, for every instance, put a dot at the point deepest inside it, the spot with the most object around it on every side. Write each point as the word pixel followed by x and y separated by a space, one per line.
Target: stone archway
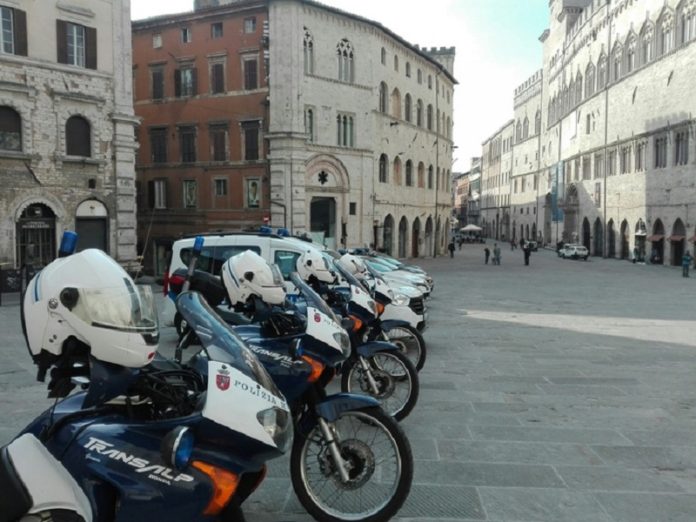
pixel 403 237
pixel 36 236
pixel 327 186
pixel 611 239
pixel 586 235
pixel 641 236
pixel 624 240
pixel 677 242
pixel 388 235
pixel 598 238
pixel 416 238
pixel 657 240
pixel 91 225
pixel 429 236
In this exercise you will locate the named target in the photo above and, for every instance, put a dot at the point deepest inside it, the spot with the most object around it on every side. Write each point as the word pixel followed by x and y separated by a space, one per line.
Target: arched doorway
pixel 403 230
pixel 415 238
pixel 36 236
pixel 598 238
pixel 657 240
pixel 388 234
pixel 91 225
pixel 438 237
pixel 322 221
pixel 641 234
pixel 505 232
pixel 611 239
pixel 677 242
pixel 429 236
pixel 586 234
pixel 624 240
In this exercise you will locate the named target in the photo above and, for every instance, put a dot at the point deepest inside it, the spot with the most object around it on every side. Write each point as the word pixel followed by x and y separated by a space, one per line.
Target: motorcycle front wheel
pixel 395 378
pixel 378 460
pixel 410 342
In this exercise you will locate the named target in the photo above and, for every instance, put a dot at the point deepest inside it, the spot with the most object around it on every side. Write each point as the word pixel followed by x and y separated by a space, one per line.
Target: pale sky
pixel 496 43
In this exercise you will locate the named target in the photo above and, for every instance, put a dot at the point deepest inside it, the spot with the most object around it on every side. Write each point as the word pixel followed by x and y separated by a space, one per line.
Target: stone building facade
pixel 360 131
pixel 201 90
pixel 617 155
pixel 66 130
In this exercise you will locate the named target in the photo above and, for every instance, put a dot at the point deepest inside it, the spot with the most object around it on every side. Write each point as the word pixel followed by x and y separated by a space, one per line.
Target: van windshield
pixel 212 258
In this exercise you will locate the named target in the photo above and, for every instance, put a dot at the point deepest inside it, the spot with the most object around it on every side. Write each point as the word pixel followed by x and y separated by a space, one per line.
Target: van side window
pixel 212 258
pixel 286 261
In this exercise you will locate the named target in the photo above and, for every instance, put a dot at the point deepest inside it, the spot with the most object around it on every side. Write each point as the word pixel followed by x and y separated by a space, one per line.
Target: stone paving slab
pixel 606 478
pixel 629 507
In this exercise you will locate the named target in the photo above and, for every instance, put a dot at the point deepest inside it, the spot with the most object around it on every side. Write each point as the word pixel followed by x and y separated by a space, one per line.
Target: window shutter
pixel 151 194
pixel 218 71
pixel 194 81
pixel 167 195
pixel 90 48
pixel 20 32
pixel 250 74
pixel 177 83
pixel 157 85
pixel 62 41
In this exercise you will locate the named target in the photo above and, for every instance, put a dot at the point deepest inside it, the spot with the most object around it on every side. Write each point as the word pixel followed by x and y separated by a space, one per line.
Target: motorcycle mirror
pixel 177 447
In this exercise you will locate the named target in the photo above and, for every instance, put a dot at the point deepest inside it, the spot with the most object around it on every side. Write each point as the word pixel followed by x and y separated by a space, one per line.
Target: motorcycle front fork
pixel 328 433
pixel 367 372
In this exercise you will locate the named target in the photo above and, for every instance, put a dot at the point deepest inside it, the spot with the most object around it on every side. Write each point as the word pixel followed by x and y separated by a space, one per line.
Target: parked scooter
pixel 144 438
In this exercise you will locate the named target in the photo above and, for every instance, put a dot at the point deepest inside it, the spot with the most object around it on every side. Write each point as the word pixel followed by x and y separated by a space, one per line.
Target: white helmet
pixel 354 265
pixel 248 274
pixel 312 263
pixel 90 297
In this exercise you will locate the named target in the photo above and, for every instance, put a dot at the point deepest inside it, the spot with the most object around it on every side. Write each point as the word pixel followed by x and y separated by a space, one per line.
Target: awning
pixel 656 237
pixel 676 238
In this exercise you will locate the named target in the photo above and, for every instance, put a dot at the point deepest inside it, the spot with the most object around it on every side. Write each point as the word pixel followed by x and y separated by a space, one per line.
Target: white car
pixel 389 273
pixel 575 252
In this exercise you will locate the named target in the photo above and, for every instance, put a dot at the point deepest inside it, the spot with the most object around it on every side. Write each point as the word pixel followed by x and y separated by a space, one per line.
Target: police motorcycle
pixel 142 438
pixel 349 459
pixel 375 368
pixel 399 332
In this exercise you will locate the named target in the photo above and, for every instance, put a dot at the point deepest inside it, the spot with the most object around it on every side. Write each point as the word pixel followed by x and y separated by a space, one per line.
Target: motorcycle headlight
pixel 400 299
pixel 277 423
pixel 343 341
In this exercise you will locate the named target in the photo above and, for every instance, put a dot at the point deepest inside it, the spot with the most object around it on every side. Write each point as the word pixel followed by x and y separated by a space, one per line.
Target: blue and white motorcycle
pixel 150 440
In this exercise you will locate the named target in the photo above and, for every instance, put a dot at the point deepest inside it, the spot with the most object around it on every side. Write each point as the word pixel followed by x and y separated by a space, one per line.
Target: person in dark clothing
pixel 487 254
pixel 686 263
pixel 450 247
pixel 527 252
pixel 521 242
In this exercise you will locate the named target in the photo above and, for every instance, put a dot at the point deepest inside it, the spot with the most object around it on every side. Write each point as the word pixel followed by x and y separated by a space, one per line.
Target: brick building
pixel 66 130
pixel 200 88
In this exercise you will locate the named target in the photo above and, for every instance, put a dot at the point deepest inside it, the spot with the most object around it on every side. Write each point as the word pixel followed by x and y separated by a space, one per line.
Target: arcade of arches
pixel 414 238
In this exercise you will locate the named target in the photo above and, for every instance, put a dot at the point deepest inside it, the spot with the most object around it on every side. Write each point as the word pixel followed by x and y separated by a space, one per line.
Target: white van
pixel 279 250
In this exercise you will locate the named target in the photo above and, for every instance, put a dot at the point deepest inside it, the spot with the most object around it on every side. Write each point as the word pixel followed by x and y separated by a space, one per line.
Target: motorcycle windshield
pixel 313 299
pixel 221 343
pixel 350 278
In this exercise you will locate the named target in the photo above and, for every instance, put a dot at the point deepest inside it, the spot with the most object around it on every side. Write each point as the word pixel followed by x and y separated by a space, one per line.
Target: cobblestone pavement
pixel 560 391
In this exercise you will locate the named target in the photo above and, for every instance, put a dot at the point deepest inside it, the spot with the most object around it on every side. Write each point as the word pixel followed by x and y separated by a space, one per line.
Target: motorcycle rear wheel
pixel 359 434
pixel 397 381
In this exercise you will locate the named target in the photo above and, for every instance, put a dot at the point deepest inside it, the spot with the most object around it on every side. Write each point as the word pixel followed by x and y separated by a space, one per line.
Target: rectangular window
pixel 250 131
pixel 586 174
pixel 76 45
pixel 250 74
pixel 157 79
pixel 611 167
pixel 661 152
pixel 187 141
pixel 220 187
pixel 515 186
pixel 598 194
pixel 309 124
pixel 286 262
pixel 253 192
pixel 218 142
pixel 185 35
pixel 344 130
pixel 217 78
pixel 588 120
pixel 353 209
pixel 577 169
pixel 158 145
pixel 216 30
pixel 156 41
pixel 185 82
pixel 190 193
pixel 250 25
pixel 160 193
pixel 625 159
pixel 640 157
pixel 681 148
pixel 7 19
pixel 598 166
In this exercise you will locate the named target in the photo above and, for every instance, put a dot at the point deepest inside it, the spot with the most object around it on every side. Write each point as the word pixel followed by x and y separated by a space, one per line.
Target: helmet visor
pixel 277 275
pixel 127 307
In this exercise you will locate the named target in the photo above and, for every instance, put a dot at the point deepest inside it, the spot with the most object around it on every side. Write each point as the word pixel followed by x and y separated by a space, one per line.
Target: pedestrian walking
pixel 686 263
pixel 527 249
pixel 496 254
pixel 521 242
pixel 450 247
pixel 512 244
pixel 487 254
